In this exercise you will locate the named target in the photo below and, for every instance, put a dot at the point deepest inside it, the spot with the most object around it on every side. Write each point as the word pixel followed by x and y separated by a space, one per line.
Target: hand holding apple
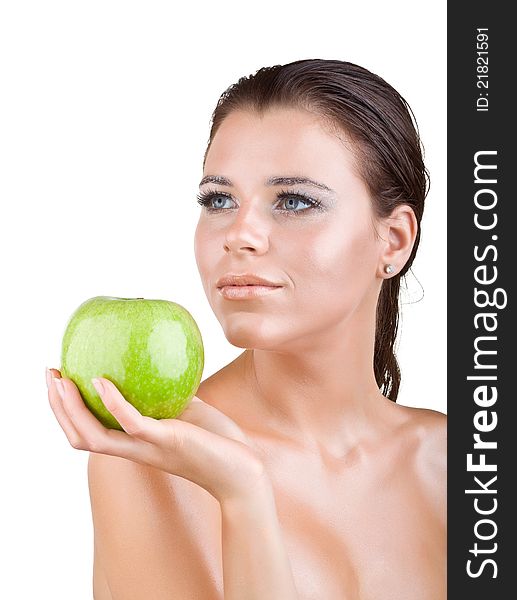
pixel 202 445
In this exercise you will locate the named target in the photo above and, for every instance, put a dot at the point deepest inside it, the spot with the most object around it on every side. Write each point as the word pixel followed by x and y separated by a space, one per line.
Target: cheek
pixel 336 266
pixel 204 251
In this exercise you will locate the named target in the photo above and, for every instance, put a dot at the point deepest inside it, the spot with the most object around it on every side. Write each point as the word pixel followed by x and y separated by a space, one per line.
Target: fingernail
pixel 49 377
pixel 97 384
pixel 59 387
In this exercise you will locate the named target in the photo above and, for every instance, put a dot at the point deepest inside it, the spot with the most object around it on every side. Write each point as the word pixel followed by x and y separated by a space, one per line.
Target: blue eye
pixel 214 201
pixel 206 200
pixel 297 198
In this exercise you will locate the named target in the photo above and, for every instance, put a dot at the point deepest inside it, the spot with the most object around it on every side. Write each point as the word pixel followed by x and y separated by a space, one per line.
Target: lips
pixel 246 286
pixel 245 279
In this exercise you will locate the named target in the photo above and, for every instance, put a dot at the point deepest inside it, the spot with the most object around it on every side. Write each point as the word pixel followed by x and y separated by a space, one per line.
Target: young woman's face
pixel 325 258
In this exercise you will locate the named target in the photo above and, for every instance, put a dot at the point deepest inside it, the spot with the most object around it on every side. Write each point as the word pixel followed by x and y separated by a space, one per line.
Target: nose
pixel 246 234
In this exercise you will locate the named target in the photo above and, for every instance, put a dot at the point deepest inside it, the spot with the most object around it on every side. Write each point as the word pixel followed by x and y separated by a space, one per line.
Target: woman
pixel 293 473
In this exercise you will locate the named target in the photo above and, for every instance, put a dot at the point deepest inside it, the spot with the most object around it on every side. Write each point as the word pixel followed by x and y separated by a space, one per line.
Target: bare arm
pixel 147 546
pixel 255 561
pixel 137 551
pixel 151 539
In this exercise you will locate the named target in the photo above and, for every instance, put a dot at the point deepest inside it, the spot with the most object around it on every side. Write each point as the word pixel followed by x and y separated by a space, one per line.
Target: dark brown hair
pixel 386 143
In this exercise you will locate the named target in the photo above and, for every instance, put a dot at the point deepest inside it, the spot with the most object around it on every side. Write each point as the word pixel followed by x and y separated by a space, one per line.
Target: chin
pixel 249 334
pixel 248 339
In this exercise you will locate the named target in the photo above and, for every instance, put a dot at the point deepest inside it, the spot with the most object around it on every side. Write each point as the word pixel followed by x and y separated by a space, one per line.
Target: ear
pixel 399 232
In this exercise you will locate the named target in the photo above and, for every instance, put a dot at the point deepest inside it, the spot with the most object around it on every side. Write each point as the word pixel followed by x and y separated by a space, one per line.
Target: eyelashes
pixel 205 199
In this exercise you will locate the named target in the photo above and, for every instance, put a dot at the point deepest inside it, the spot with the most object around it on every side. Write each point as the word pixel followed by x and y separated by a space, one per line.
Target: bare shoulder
pixel 219 388
pixel 221 381
pixel 431 428
pixel 428 428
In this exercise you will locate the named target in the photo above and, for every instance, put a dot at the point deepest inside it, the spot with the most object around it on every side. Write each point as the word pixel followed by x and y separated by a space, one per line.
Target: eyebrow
pixel 221 180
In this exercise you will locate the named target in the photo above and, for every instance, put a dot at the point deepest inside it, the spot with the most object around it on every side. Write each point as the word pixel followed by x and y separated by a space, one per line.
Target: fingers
pixel 56 404
pixel 144 440
pixel 166 433
pixel 88 432
pixel 131 420
pixel 83 430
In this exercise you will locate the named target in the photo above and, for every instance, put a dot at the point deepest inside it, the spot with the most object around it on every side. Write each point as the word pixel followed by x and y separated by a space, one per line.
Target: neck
pixel 322 394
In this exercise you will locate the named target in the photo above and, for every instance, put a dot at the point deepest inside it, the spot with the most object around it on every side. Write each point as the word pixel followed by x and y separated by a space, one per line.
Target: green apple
pixel 151 350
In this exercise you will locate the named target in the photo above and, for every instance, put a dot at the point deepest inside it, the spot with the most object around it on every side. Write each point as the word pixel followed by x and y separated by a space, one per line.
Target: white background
pixel 104 118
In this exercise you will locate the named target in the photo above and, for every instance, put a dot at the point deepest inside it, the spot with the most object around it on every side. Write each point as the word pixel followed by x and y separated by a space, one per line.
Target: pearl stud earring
pixel 388 269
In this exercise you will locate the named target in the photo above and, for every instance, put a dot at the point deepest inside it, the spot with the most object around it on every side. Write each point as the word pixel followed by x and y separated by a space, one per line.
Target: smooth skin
pixel 203 446
pixel 358 482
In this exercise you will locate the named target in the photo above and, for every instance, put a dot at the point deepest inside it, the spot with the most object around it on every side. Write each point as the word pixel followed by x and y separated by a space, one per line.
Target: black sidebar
pixel 481 273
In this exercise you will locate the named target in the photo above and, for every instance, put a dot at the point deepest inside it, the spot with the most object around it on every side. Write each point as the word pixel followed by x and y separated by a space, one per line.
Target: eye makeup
pixel 205 199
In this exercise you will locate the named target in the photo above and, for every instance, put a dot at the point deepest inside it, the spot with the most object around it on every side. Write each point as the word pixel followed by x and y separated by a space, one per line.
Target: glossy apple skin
pixel 151 350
